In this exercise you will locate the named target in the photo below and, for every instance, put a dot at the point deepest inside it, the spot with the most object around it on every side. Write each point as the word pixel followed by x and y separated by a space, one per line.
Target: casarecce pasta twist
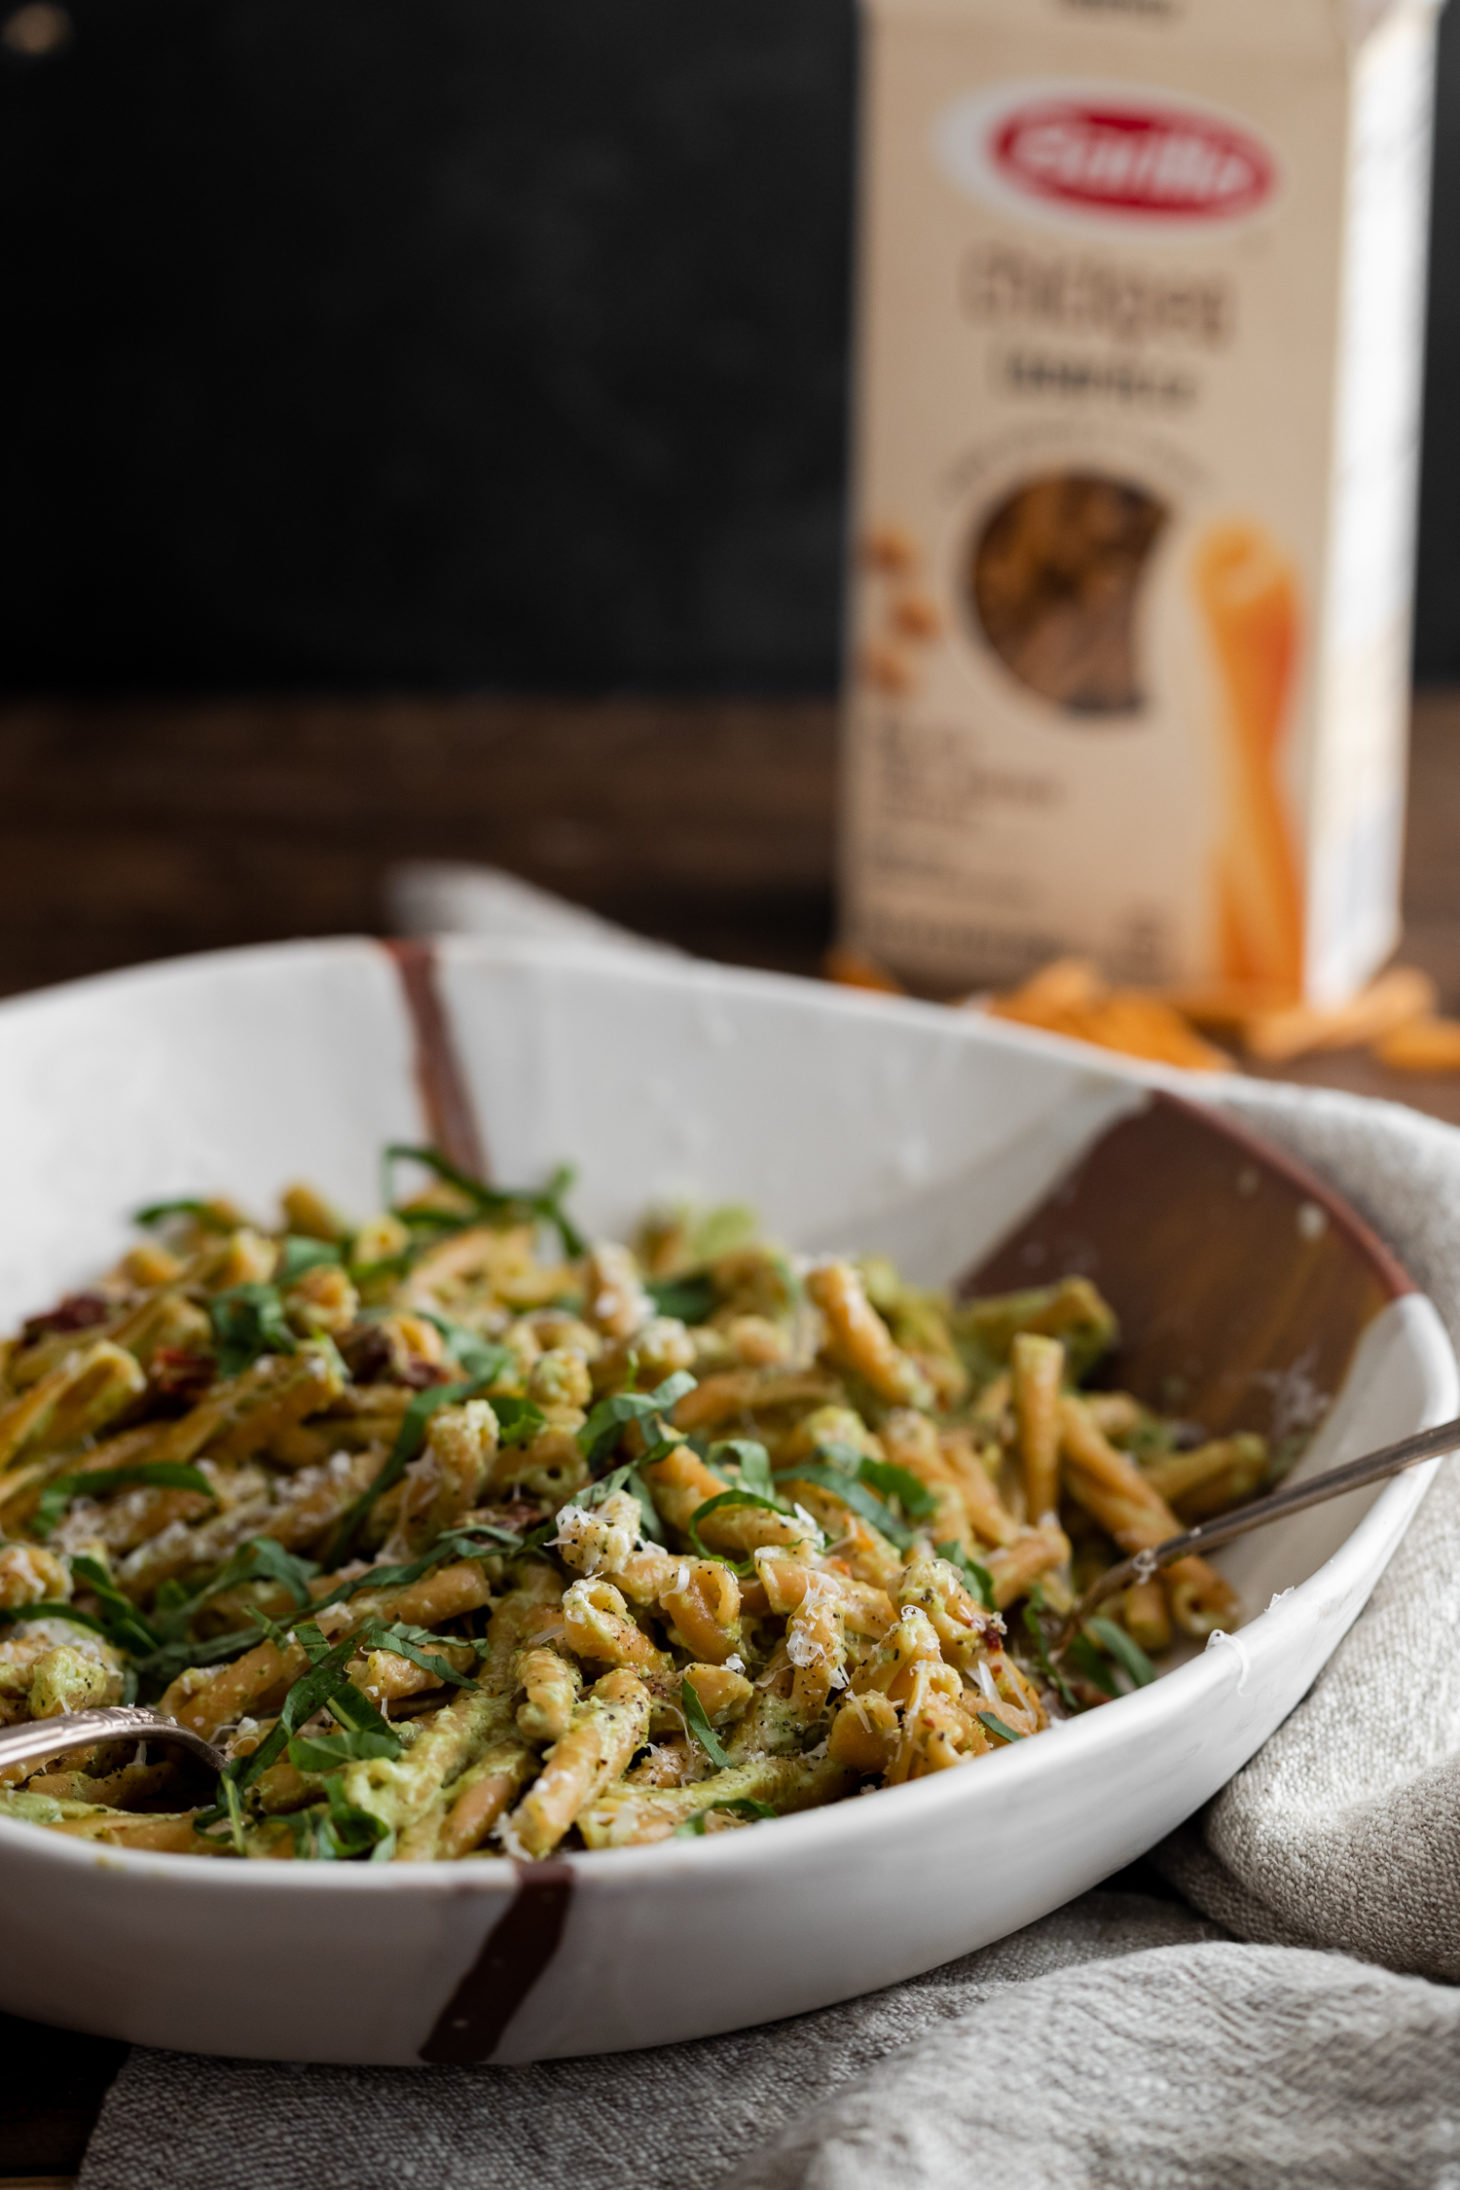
pixel 464 1536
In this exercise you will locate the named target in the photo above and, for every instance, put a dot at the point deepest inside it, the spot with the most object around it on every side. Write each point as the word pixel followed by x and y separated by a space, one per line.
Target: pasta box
pixel 1141 288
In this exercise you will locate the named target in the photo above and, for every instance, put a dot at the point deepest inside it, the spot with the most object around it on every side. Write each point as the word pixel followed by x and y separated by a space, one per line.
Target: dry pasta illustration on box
pixel 1248 595
pixel 463 1536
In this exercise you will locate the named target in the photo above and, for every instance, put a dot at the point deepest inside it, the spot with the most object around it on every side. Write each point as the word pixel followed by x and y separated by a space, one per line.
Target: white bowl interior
pixel 846 1121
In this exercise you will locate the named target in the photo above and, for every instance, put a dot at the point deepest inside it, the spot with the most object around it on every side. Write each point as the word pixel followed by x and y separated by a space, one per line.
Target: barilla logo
pixel 1104 153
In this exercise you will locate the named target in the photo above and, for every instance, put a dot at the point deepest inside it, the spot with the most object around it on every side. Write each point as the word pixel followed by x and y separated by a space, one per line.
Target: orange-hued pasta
pixel 1037 1365
pixel 462 1537
pixel 1424 1045
pixel 1247 593
pixel 1398 1000
pixel 1068 997
pixel 1109 1485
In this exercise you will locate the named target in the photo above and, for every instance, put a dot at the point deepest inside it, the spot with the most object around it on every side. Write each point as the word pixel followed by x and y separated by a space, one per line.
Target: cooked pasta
pixel 464 1537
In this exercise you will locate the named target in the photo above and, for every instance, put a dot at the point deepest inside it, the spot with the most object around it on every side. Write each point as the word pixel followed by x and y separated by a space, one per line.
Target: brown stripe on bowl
pixel 449 1114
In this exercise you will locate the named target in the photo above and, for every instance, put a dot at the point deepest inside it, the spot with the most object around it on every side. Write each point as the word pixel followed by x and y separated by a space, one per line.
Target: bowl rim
pixel 838 1825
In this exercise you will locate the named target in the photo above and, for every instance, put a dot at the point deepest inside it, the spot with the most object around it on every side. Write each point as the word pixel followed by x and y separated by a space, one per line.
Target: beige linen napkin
pixel 1123 2044
pixel 1344 1831
pixel 1196 2067
pixel 683 2115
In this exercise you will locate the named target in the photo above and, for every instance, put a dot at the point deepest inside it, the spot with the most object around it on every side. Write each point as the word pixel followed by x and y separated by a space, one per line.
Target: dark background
pixel 441 343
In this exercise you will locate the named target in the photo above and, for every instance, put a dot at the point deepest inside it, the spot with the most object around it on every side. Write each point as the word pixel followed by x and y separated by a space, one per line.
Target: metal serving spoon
pixel 1294 1498
pixel 40 1739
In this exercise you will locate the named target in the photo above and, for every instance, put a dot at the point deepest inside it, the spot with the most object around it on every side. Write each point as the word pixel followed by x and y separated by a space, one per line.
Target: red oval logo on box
pixel 1151 162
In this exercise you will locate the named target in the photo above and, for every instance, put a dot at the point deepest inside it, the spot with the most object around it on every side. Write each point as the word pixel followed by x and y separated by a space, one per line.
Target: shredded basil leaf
pixel 978 1578
pixel 384 1266
pixel 408 1642
pixel 159 1474
pixel 837 1472
pixel 304 1831
pixel 261 1559
pixel 348 1833
pixel 248 1320
pixel 464 1543
pixel 479 1540
pixel 651 1527
pixel 297 1255
pixel 313 1691
pixel 308 1634
pixel 1092 1665
pixel 482 1358
pixel 351 1707
pixel 1032 1614
pixel 691 1299
pixel 626 1478
pixel 171 1605
pixel 752 1460
pixel 697 1720
pixel 202 1212
pixel 730 1498
pixel 741 1806
pixel 230 1809
pixel 347 1704
pixel 518 1420
pixel 601 1432
pixel 280 1636
pixel 49 1608
pixel 409 1439
pixel 915 1498
pixel 327 1752
pixel 124 1624
pixel 495 1204
pixel 161 1667
pixel 1127 1653
pixel 264 1559
pixel 996 1726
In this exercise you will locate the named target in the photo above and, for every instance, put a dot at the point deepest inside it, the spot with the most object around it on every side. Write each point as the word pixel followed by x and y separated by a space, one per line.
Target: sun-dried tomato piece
pixel 178 1379
pixel 77 1312
pixel 366 1352
pixel 372 1359
pixel 519 1514
pixel 421 1374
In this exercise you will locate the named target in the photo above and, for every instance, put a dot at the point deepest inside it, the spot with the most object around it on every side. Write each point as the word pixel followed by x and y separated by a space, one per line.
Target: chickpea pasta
pixel 462 1536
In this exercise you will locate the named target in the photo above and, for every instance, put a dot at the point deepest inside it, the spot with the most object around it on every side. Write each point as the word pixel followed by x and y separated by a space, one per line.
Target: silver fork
pixel 1224 1528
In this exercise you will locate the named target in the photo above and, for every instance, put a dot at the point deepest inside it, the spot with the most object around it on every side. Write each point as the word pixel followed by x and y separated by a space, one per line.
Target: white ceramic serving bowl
pixel 849 1121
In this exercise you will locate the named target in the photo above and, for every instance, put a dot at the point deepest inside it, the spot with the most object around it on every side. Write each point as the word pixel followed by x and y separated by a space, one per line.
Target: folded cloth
pixel 1344 1830
pixel 1196 2067
pixel 623 2121
pixel 1122 2044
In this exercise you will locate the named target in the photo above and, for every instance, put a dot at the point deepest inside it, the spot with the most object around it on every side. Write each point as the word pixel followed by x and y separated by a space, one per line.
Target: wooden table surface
pixel 138 830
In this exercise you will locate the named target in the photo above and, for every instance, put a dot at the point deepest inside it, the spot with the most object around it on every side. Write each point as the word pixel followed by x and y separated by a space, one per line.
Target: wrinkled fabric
pixel 1207 2067
pixel 1344 1830
pixel 1122 2042
pixel 681 2115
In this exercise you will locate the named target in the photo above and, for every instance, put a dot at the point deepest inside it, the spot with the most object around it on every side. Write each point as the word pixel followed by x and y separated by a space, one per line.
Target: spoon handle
pixel 1211 1535
pixel 36 1740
